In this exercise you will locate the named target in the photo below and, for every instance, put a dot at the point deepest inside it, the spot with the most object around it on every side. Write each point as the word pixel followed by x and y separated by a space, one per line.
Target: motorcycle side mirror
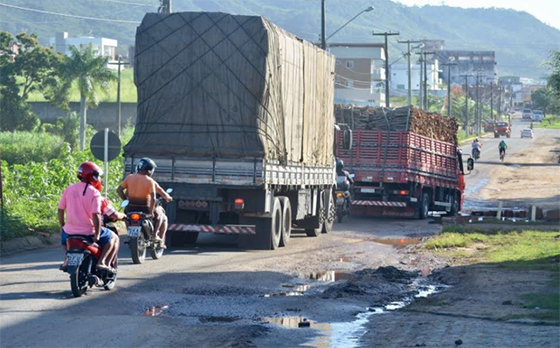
pixel 470 164
pixel 125 203
pixel 347 139
pixel 169 190
pixel 352 175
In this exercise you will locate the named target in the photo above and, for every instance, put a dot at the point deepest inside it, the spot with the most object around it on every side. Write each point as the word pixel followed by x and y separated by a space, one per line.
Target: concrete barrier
pixel 104 116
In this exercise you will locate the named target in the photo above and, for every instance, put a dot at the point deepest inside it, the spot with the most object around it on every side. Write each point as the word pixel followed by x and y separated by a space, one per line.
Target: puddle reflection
pixel 155 310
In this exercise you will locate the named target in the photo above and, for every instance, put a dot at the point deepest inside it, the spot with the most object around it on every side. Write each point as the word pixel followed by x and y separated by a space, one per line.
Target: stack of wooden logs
pixel 429 124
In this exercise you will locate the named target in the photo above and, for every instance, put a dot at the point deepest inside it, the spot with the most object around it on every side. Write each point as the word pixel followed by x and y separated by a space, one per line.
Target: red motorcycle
pixel 83 255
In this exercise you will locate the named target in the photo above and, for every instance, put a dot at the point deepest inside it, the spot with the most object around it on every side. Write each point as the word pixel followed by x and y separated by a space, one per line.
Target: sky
pixel 547 11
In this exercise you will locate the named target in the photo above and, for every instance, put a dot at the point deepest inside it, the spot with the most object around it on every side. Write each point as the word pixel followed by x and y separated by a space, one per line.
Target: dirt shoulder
pixel 486 304
pixel 531 176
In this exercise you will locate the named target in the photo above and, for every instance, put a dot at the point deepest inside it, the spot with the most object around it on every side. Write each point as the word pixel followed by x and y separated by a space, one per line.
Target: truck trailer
pixel 401 166
pixel 238 116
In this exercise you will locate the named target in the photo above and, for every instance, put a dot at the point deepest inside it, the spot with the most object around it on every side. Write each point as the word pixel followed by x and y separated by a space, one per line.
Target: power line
pixel 68 15
pixel 125 3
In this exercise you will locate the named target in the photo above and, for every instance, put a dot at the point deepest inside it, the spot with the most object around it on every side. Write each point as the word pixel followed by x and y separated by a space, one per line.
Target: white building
pixel 101 46
pixel 399 77
pixel 360 73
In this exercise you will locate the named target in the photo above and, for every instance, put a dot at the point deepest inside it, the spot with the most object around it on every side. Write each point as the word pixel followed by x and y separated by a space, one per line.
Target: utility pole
pixel 492 100
pixel 386 34
pixel 466 104
pixel 408 42
pixel 420 82
pixel 426 79
pixel 323 26
pixel 165 6
pixel 477 106
pixel 449 65
pixel 499 100
pixel 119 104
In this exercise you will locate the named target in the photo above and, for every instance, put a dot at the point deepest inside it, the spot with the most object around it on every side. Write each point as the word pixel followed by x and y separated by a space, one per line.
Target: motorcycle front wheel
pixel 156 252
pixel 78 279
pixel 110 284
pixel 339 213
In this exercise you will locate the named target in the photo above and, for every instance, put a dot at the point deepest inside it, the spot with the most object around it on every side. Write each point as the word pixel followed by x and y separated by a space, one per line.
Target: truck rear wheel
pixel 286 221
pixel 424 206
pixel 330 217
pixel 315 232
pixel 276 224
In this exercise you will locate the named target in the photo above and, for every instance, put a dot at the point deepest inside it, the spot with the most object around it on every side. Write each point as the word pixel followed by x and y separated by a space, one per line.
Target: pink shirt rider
pixel 79 207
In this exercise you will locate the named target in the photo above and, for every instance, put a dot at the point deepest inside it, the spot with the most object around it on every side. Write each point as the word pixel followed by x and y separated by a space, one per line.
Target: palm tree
pixel 91 74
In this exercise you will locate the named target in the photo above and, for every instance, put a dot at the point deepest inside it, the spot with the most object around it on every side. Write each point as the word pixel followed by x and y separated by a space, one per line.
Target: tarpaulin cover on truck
pixel 228 86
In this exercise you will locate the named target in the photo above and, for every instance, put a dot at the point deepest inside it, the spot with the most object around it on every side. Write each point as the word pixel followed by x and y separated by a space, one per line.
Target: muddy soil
pixel 531 176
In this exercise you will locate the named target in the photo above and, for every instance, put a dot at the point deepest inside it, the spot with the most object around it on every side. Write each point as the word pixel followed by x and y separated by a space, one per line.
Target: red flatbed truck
pixel 400 173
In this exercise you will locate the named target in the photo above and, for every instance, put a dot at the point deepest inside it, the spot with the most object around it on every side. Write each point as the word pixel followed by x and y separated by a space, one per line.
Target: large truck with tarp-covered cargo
pixel 238 116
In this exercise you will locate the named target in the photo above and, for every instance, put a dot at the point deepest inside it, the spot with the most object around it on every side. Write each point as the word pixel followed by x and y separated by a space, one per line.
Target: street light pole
pixel 323 26
pixel 386 35
pixel 408 42
pixel 369 9
pixel 426 79
pixel 466 104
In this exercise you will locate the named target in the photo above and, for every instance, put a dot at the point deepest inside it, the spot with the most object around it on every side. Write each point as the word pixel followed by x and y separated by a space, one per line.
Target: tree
pixel 90 73
pixel 25 66
pixel 554 79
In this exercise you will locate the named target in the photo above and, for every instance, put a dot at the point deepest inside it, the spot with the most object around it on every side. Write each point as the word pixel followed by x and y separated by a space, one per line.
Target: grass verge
pixel 549 122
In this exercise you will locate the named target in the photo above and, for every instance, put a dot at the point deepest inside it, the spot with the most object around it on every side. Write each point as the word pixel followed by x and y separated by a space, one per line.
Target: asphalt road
pixel 216 295
pixel 490 158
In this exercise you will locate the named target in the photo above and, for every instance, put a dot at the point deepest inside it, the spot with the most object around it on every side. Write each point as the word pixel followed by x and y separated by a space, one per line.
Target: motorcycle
pixel 476 154
pixel 141 234
pixel 83 254
pixel 342 194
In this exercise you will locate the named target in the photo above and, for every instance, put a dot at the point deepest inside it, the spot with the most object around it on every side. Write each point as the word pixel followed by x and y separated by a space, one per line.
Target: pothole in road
pixel 218 319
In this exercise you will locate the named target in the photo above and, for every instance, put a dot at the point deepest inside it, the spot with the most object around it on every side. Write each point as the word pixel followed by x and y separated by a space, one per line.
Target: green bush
pixel 66 127
pixel 26 147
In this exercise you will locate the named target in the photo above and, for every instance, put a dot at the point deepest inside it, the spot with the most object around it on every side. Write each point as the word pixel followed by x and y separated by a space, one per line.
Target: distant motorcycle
pixel 342 194
pixel 83 255
pixel 141 234
pixel 476 154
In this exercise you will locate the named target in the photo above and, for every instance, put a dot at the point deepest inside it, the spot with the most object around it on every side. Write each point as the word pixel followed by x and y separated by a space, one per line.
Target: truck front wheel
pixel 286 221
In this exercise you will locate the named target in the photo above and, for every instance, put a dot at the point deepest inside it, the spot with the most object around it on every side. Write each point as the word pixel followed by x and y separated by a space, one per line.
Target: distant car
pixel 502 129
pixel 527 114
pixel 527 133
pixel 489 126
pixel 538 116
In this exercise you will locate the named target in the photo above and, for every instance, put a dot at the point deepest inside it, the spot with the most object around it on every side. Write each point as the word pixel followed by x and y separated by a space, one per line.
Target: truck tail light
pixel 239 204
pixel 403 192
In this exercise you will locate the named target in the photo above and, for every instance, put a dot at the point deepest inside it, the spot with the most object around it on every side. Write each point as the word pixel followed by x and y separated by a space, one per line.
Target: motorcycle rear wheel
pixel 78 279
pixel 137 249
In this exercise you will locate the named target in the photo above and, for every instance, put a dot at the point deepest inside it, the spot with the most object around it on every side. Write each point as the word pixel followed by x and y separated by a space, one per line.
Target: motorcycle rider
pixel 502 147
pixel 476 146
pixel 141 192
pixel 341 172
pixel 79 213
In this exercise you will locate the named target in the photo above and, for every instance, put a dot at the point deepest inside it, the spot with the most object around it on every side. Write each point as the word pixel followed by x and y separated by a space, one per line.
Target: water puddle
pixel 155 311
pixel 211 319
pixel 348 334
pixel 330 276
pixel 398 243
pixel 296 290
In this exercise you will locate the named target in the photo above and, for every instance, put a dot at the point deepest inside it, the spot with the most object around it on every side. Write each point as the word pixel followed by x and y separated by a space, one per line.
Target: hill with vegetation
pixel 522 43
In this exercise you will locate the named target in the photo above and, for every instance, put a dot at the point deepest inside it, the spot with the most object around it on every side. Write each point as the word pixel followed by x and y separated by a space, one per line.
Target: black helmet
pixel 339 164
pixel 146 164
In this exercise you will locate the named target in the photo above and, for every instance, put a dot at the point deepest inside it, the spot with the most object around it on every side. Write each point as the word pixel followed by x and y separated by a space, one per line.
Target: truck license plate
pixel 74 259
pixel 366 190
pixel 133 231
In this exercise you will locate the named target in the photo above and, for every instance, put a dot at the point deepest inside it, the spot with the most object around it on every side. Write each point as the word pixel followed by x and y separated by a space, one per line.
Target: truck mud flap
pixel 367 210
pixel 261 239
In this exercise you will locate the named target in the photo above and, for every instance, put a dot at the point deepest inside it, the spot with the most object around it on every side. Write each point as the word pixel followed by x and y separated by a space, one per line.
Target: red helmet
pixel 91 173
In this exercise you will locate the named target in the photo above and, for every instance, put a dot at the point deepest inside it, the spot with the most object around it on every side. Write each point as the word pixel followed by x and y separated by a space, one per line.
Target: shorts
pixel 104 237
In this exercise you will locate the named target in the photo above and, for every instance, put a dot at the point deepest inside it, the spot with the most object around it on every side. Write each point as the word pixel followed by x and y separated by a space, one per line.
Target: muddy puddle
pixel 348 334
pixel 155 311
pixel 398 243
pixel 330 276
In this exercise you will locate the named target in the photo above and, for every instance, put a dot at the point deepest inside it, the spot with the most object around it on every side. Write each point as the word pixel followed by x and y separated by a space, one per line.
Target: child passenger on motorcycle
pixel 141 192
pixel 79 213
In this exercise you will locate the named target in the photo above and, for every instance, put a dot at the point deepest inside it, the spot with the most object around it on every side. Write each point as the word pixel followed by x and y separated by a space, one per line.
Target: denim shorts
pixel 104 237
